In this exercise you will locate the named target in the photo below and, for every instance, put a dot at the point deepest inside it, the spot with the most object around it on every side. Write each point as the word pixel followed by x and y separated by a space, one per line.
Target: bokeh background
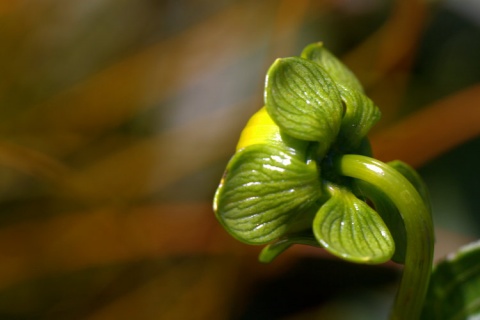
pixel 117 118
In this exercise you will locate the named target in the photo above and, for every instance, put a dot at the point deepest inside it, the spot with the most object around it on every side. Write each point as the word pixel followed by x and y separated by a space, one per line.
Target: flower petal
pixel 303 100
pixel 264 190
pixel 336 69
pixel 348 228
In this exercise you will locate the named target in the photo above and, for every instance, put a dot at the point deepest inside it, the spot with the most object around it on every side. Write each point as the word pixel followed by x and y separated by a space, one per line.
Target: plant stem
pixel 418 225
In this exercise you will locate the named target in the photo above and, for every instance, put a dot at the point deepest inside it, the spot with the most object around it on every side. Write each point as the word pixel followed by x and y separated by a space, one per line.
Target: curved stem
pixel 418 226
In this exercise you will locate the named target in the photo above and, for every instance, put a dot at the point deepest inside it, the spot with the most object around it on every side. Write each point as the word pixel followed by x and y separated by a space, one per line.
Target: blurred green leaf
pixel 454 291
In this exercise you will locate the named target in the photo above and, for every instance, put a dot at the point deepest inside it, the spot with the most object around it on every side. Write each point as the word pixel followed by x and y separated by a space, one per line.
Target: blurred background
pixel 117 119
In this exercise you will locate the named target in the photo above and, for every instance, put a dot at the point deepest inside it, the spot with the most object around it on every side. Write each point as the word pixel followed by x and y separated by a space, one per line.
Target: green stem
pixel 418 226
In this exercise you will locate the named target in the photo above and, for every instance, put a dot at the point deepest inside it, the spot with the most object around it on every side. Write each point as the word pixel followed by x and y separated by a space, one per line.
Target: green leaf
pixel 273 250
pixel 454 291
pixel 335 68
pixel 264 190
pixel 348 228
pixel 303 100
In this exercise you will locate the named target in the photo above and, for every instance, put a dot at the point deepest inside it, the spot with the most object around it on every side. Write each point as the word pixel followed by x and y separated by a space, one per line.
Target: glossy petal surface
pixel 264 189
pixel 359 117
pixel 335 68
pixel 348 228
pixel 303 100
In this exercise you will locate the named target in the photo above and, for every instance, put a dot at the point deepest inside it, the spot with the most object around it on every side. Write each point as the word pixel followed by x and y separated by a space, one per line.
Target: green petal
pixel 390 215
pixel 264 190
pixel 348 228
pixel 360 115
pixel 273 250
pixel 335 68
pixel 387 210
pixel 454 291
pixel 303 100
